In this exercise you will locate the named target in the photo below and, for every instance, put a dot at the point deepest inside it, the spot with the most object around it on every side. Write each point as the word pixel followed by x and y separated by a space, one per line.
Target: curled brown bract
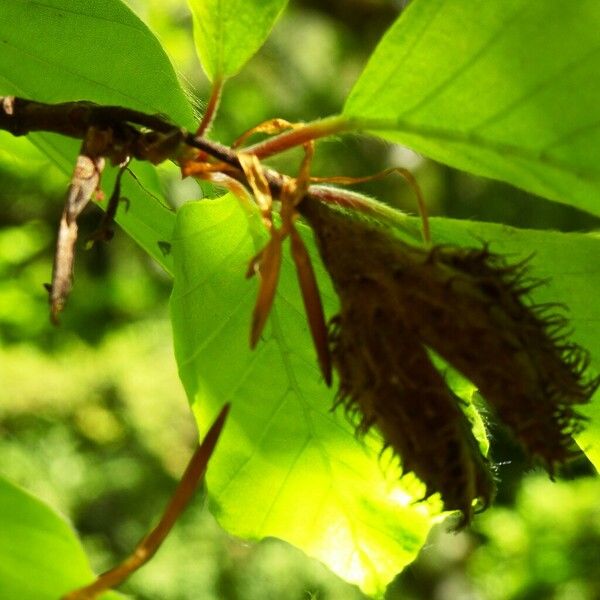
pixel 84 183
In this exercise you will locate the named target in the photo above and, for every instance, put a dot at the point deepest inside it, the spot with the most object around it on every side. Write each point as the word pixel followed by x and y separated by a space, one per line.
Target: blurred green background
pixel 93 418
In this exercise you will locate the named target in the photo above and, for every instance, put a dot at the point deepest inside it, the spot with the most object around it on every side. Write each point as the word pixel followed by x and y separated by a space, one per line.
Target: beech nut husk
pixel 473 309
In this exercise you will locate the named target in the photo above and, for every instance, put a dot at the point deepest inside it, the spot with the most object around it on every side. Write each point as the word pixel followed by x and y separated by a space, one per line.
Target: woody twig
pixel 119 134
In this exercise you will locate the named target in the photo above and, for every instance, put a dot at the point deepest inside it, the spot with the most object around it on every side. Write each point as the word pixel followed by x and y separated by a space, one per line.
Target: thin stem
pixel 149 545
pixel 213 149
pixel 320 193
pixel 301 135
pixel 211 107
pixel 357 202
pixel 408 177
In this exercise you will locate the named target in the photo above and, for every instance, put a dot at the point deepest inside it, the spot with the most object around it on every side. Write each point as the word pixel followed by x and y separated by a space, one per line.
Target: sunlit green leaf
pixel 40 556
pixel 228 32
pixel 509 89
pixel 286 465
pixel 65 50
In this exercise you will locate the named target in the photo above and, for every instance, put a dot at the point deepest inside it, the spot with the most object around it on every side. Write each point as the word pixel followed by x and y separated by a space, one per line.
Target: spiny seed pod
pixel 471 308
pixel 387 380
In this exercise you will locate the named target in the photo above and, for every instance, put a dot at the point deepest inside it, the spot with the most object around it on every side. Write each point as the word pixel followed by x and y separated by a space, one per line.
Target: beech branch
pixel 133 133
pixel 119 134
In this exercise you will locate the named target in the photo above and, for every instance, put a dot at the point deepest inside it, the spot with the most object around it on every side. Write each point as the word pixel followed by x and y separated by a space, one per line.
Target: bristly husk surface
pixel 473 310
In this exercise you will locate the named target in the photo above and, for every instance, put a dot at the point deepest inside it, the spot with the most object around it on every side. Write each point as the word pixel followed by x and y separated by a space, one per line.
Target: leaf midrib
pixel 469 138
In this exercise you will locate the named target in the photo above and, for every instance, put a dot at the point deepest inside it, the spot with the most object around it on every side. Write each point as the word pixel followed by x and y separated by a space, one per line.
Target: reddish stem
pixel 212 107
pixel 301 135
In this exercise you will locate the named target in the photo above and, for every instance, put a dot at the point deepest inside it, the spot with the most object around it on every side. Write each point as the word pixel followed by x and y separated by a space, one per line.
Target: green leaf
pixel 286 466
pixel 509 89
pixel 228 32
pixel 40 556
pixel 63 50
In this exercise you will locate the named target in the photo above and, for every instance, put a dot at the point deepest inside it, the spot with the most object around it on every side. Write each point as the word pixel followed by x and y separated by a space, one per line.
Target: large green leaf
pixel 62 50
pixel 509 89
pixel 40 556
pixel 286 466
pixel 228 32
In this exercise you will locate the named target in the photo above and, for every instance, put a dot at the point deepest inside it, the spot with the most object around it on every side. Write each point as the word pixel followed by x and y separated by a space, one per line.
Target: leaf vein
pixel 554 79
pixel 473 58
